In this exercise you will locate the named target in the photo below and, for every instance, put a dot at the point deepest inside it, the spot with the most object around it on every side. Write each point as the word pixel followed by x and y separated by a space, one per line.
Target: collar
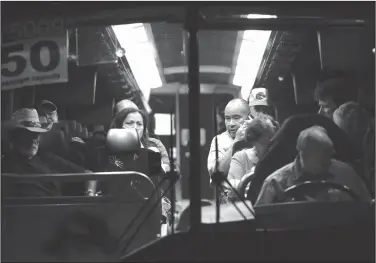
pixel 301 176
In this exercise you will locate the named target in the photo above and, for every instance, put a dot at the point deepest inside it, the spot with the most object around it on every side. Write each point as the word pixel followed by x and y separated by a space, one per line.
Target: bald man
pixel 313 163
pixel 236 115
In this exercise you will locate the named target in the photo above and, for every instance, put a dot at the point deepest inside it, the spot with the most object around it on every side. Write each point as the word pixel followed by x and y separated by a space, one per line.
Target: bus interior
pixel 180 65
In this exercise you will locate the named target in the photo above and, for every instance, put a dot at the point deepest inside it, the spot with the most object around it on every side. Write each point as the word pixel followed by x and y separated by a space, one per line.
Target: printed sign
pixel 34 61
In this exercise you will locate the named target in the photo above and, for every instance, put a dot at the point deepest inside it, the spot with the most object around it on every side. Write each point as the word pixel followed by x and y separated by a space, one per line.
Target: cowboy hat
pixel 258 97
pixel 27 119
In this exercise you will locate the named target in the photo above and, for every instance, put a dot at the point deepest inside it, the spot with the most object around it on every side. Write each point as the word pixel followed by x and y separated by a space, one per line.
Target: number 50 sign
pixel 34 61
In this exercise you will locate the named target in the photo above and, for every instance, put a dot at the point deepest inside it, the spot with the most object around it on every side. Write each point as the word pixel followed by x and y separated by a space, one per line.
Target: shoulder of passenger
pixel 338 165
pixel 280 173
pixel 155 140
pixel 239 155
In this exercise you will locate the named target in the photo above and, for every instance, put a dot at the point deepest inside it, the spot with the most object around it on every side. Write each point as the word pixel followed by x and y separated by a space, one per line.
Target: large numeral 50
pixel 35 59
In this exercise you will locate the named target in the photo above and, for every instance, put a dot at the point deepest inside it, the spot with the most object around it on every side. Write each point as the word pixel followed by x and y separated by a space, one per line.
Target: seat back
pixel 82 229
pixel 34 233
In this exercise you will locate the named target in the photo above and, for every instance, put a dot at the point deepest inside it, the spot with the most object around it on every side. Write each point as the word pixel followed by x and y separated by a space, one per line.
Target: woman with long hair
pixel 133 118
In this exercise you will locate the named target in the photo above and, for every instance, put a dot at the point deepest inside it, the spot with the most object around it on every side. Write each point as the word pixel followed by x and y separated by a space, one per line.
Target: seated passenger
pixel 332 93
pixel 282 148
pixel 313 163
pixel 127 104
pixel 358 124
pixel 24 131
pixel 258 133
pixel 49 110
pixel 131 118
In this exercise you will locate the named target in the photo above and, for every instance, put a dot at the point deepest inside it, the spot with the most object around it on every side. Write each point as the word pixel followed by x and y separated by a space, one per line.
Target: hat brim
pixel 10 125
pixel 258 103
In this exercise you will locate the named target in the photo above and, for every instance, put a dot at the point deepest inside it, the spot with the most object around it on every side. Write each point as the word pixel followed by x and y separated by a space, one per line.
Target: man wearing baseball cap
pixel 48 109
pixel 258 101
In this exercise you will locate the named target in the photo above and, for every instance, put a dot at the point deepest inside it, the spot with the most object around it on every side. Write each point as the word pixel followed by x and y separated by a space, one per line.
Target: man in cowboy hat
pixel 24 131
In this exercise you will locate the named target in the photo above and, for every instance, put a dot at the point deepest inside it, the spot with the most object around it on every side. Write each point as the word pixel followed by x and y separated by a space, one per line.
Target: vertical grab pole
pixel 194 118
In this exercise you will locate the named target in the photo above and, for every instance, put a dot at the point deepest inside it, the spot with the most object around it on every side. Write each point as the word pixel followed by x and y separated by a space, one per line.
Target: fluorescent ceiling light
pixel 140 55
pixel 259 16
pixel 250 56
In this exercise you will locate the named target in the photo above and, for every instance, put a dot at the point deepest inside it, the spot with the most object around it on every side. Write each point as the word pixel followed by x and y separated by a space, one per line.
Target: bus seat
pixel 79 129
pixel 122 140
pixel 78 231
pixel 124 143
pixel 55 141
pixel 85 133
pixel 71 124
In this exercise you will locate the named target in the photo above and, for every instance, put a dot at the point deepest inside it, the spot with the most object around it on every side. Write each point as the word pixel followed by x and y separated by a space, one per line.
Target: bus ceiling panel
pixel 216 48
pixel 109 13
pixel 280 53
pixel 280 24
pixel 344 10
pixel 171 89
pixel 210 78
pixel 93 14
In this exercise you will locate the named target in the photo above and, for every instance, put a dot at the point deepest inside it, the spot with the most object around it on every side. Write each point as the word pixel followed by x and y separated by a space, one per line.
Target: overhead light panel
pixel 250 56
pixel 140 55
pixel 259 16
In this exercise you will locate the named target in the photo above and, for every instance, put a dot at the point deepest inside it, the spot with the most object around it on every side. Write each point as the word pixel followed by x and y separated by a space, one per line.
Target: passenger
pixel 127 104
pixel 24 131
pixel 282 148
pixel 236 114
pixel 358 124
pixel 313 163
pixel 136 119
pixel 332 93
pixel 258 134
pixel 258 101
pixel 48 109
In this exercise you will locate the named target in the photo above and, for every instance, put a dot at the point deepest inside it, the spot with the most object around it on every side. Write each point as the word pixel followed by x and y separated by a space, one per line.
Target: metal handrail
pixel 72 177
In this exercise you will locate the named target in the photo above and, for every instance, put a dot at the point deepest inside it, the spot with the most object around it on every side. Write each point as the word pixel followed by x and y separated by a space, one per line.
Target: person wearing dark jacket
pixel 282 148
pixel 24 132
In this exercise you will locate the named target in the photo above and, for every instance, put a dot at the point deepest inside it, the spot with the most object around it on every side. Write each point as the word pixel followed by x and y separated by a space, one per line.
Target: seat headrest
pixel 122 140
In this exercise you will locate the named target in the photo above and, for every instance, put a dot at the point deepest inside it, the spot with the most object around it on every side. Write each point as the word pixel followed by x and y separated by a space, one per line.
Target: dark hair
pixel 261 123
pixel 118 121
pixel 337 89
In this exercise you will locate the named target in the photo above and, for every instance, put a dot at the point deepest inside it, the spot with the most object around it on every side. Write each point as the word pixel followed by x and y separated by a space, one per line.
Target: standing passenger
pixel 236 114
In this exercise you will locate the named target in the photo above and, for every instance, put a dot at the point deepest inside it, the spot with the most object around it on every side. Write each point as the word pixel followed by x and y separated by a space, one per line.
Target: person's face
pixel 315 161
pixel 52 117
pixel 257 109
pixel 26 143
pixel 262 142
pixel 235 115
pixel 134 121
pixel 327 108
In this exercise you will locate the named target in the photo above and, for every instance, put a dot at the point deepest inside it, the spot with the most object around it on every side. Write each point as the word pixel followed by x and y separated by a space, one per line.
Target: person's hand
pixel 240 133
pixel 281 195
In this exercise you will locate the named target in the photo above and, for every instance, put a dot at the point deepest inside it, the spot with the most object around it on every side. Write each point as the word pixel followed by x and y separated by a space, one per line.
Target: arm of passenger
pixel 267 193
pixel 212 157
pixel 224 159
pixel 356 184
pixel 237 169
pixel 164 155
